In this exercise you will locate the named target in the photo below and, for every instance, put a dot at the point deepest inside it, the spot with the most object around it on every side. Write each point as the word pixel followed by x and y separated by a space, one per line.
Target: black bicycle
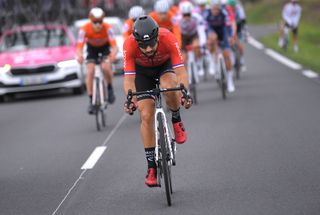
pixel 165 143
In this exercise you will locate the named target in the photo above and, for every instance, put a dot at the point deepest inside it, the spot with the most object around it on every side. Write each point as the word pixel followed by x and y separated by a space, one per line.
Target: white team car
pixel 117 25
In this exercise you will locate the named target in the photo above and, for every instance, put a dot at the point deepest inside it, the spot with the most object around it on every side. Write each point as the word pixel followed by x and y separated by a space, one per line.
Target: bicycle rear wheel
pixel 165 158
pixel 223 78
pixel 237 65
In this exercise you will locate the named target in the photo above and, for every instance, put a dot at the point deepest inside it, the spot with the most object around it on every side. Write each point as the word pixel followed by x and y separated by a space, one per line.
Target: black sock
pixel 176 116
pixel 150 157
pixel 90 99
pixel 109 86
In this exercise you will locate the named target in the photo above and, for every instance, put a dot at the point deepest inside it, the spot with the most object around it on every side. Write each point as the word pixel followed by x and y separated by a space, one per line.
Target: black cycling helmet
pixel 145 31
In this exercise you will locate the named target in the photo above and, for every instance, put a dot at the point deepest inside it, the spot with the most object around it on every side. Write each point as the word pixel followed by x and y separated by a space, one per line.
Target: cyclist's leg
pixel 146 109
pixel 92 56
pixel 173 99
pixel 108 73
pixel 198 58
pixel 212 47
pixel 240 45
pixel 227 57
pixel 295 38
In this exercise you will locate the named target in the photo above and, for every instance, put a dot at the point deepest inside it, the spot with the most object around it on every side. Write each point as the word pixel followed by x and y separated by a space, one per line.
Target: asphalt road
pixel 258 152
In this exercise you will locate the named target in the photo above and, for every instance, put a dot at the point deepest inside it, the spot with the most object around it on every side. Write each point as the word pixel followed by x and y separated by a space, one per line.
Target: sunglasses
pixel 145 44
pixel 97 22
pixel 187 15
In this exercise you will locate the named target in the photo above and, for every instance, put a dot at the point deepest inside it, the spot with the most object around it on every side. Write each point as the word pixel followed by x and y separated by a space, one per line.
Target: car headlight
pixel 6 68
pixel 68 63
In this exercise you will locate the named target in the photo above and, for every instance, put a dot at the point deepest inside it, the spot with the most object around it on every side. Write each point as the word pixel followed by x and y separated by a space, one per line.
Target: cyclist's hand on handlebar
pixel 129 107
pixel 186 102
pixel 186 99
pixel 80 59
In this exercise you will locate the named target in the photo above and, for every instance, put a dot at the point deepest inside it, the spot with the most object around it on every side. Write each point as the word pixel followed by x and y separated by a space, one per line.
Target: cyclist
pixel 134 13
pixel 173 8
pixel 291 14
pixel 99 38
pixel 240 18
pixel 219 36
pixel 192 27
pixel 165 19
pixel 202 7
pixel 149 53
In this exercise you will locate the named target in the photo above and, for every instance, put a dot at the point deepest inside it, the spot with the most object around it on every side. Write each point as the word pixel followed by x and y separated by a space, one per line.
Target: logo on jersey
pixel 146 37
pixel 179 51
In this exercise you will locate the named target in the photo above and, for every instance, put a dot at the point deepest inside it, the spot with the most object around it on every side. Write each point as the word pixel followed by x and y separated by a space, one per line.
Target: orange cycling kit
pixel 127 31
pixel 169 24
pixel 96 41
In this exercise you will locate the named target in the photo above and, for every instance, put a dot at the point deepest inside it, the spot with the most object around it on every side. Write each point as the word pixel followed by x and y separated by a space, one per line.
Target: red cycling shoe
pixel 151 178
pixel 179 132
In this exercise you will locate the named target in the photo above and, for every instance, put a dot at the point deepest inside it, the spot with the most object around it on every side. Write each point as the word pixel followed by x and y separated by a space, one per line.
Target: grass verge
pixel 309 46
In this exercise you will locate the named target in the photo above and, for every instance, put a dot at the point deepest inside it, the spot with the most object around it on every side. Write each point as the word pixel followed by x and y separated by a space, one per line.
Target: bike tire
pixel 102 111
pixel 166 170
pixel 97 105
pixel 193 87
pixel 237 64
pixel 223 80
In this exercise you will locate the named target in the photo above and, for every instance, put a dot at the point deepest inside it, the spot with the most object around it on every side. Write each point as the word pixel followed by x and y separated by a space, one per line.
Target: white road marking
pixel 255 43
pixel 94 157
pixel 284 60
pixel 102 147
pixel 310 74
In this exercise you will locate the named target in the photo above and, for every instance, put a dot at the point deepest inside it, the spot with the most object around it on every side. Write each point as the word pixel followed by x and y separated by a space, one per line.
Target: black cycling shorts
pixel 294 29
pixel 94 52
pixel 146 77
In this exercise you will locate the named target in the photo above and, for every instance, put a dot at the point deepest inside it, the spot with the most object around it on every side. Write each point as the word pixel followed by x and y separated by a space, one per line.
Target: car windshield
pixel 21 40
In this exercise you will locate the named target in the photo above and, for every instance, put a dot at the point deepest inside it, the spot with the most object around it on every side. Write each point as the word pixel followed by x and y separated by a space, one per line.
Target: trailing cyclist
pixel 99 38
pixel 240 19
pixel 192 27
pixel 134 13
pixel 219 37
pixel 152 53
pixel 166 19
pixel 291 14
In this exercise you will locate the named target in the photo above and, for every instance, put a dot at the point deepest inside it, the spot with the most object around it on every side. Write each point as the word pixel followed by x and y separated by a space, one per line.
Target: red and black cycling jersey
pixel 168 49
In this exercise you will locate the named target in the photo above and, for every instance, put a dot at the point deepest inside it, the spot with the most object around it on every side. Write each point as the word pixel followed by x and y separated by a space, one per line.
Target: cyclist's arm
pixel 113 44
pixel 80 44
pixel 296 18
pixel 128 67
pixel 286 14
pixel 182 76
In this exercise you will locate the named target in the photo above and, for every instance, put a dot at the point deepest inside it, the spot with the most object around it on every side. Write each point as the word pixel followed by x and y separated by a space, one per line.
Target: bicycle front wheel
pixel 97 104
pixel 165 158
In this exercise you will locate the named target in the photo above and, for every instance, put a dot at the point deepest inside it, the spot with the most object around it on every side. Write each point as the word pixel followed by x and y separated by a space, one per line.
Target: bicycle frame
pixel 98 77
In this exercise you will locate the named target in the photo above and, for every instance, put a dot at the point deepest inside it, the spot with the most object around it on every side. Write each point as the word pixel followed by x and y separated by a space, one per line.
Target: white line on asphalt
pixel 310 74
pixel 94 157
pixel 286 61
pixel 104 145
pixel 69 191
pixel 255 43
